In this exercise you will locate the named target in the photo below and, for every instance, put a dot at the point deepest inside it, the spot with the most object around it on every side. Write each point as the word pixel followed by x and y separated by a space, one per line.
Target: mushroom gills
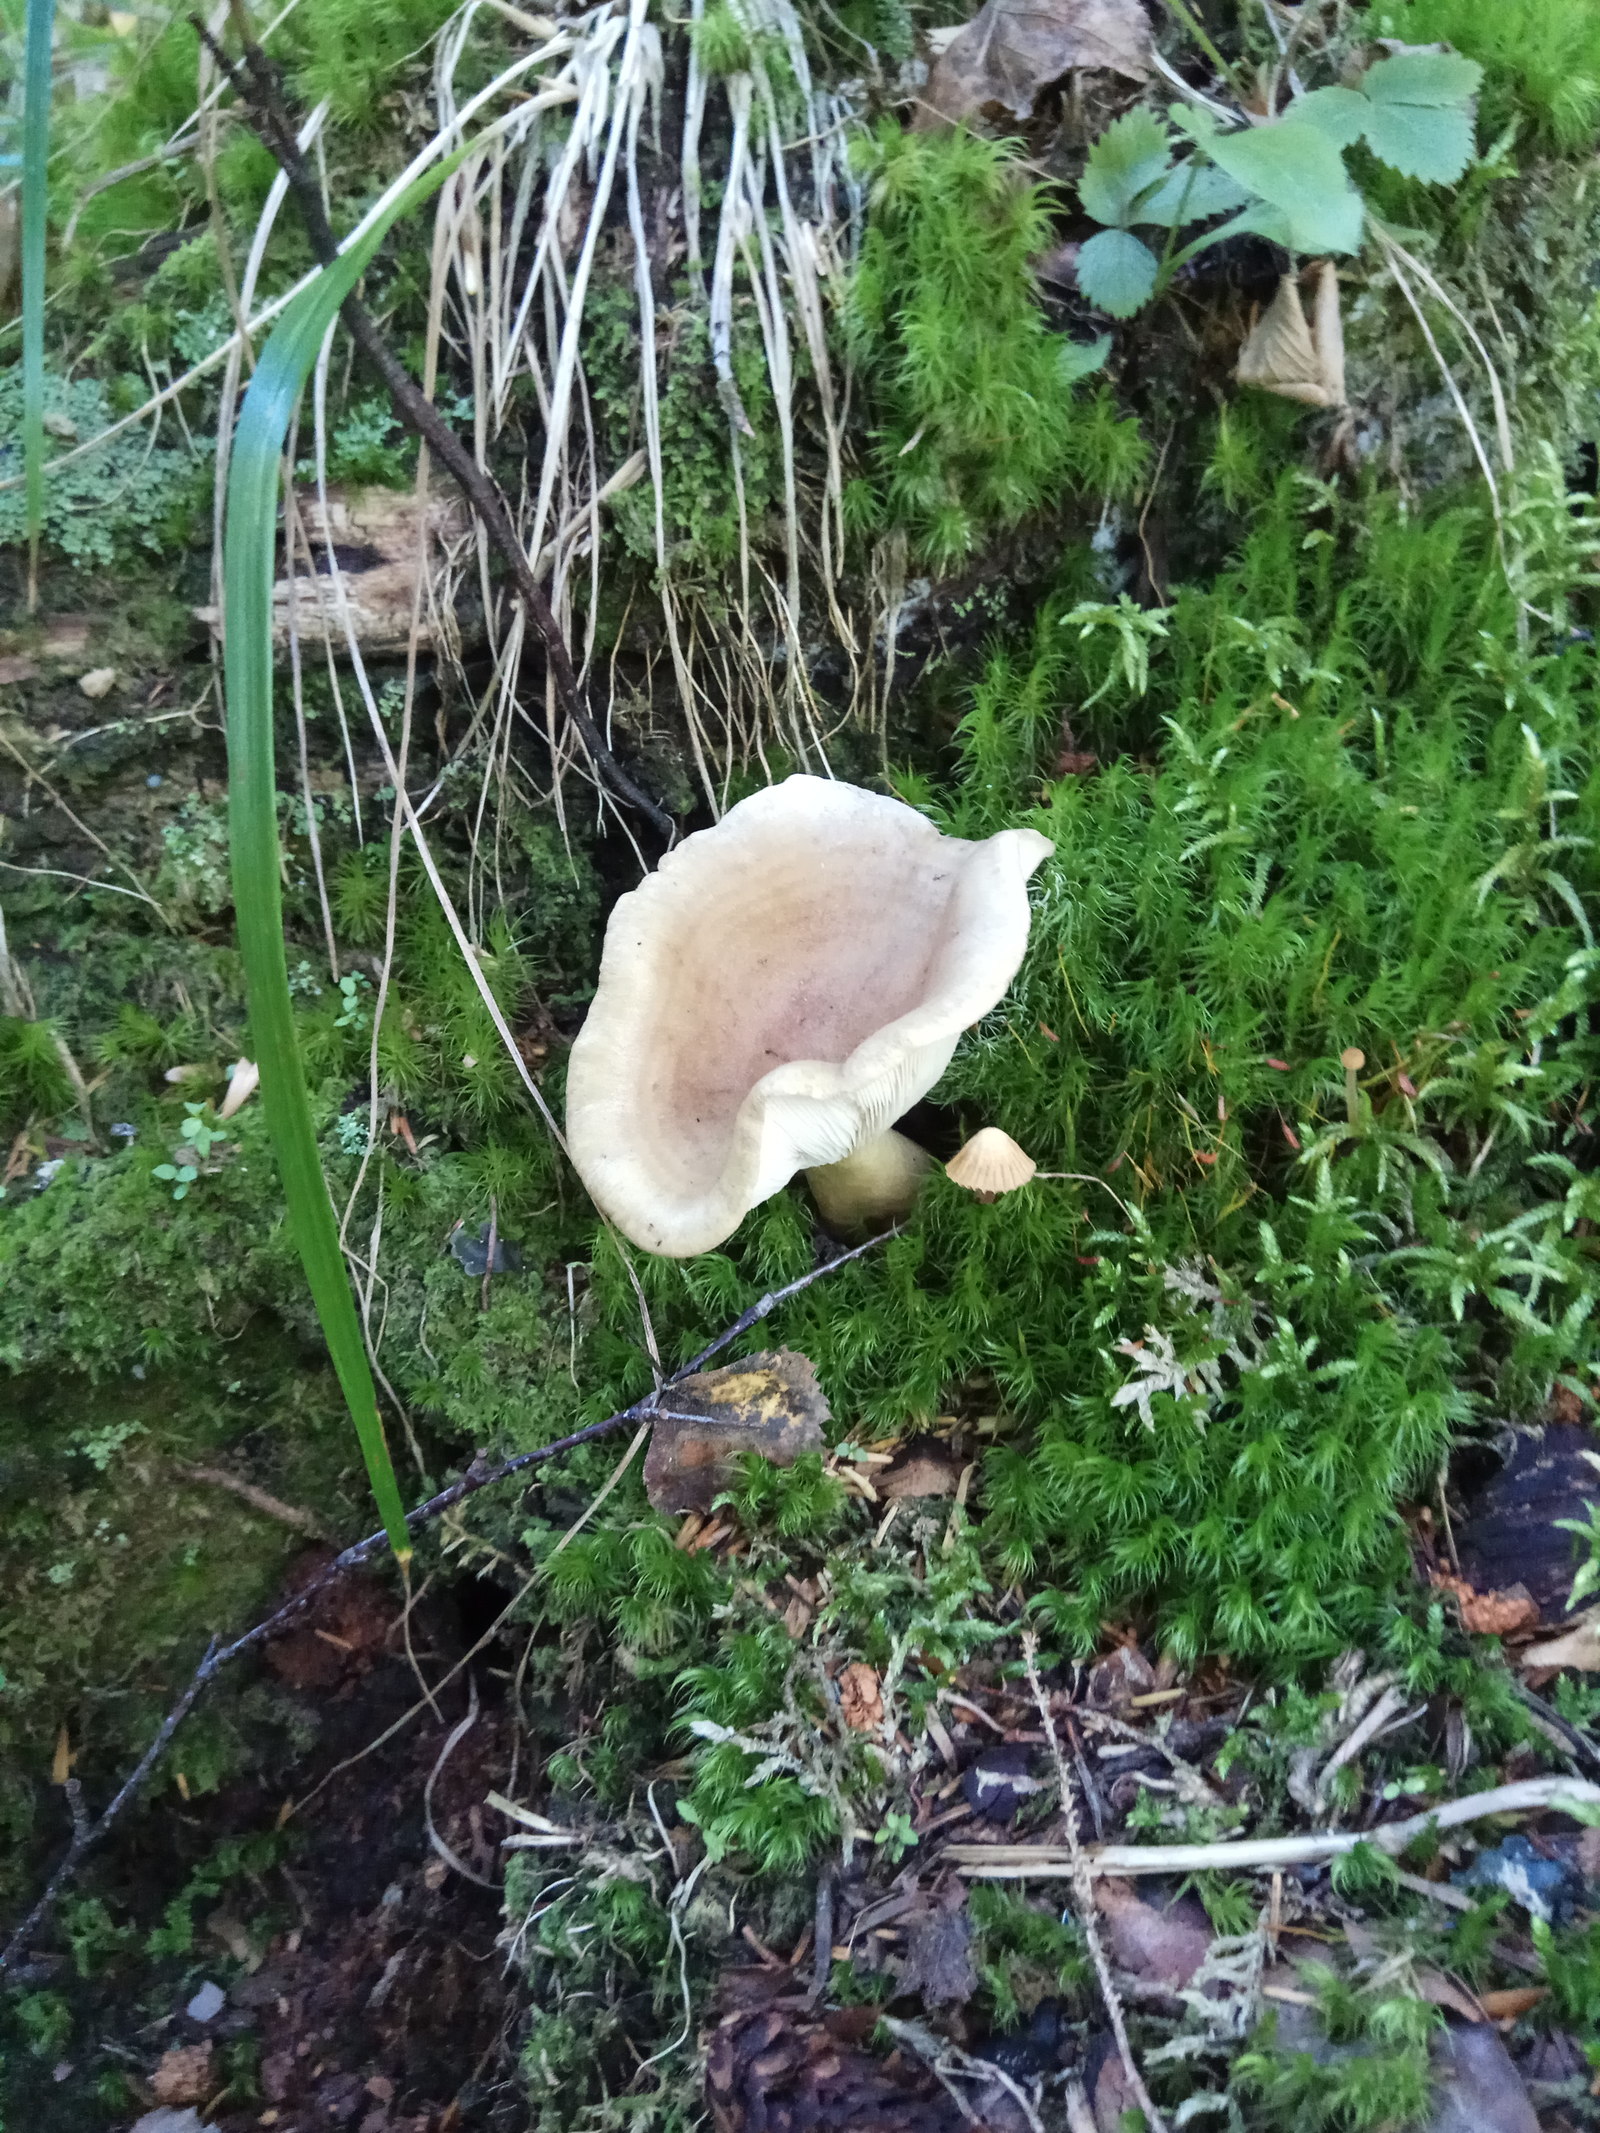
pixel 879 1183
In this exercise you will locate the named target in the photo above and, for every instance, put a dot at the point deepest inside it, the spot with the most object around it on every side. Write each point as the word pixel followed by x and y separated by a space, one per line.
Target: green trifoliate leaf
pixel 1193 192
pixel 1128 158
pixel 1420 108
pixel 1116 272
pixel 1294 167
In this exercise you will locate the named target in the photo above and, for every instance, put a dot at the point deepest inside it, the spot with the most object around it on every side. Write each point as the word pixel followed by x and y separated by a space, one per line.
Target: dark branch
pixel 261 98
pixel 480 1475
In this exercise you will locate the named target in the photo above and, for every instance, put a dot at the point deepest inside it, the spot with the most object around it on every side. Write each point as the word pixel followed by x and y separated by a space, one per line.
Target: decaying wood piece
pixel 770 1404
pixel 1300 360
pixel 377 541
pixel 999 63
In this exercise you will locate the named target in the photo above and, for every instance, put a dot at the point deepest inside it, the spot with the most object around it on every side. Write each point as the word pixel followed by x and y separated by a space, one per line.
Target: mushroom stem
pixel 879 1183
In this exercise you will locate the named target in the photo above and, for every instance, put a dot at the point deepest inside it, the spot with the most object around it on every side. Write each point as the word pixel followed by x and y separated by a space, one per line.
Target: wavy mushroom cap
pixel 778 992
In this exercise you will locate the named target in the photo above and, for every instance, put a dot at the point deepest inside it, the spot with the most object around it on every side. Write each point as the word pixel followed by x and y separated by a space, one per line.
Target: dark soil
pixel 364 1986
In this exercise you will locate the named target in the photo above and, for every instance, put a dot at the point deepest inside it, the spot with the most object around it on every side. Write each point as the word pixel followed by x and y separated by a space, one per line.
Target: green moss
pixel 973 416
pixel 117 1567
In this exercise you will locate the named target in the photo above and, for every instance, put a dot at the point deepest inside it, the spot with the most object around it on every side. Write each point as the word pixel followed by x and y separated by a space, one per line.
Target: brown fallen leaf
pixel 18 667
pixel 1578 1646
pixel 770 1404
pixel 1488 1614
pixel 860 1697
pixel 1512 2000
pixel 1443 1991
pixel 1013 49
pixel 1161 1945
pixel 773 2066
pixel 921 1472
pixel 183 2075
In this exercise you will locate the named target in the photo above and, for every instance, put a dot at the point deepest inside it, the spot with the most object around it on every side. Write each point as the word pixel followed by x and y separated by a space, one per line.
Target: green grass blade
pixel 249 555
pixel 35 205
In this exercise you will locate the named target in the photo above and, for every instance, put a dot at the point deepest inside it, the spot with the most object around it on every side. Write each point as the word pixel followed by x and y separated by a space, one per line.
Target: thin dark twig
pixel 479 1475
pixel 260 94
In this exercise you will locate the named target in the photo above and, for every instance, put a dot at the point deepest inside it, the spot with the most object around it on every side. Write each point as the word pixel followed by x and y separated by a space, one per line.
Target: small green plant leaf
pixel 1294 167
pixel 1130 157
pixel 1080 359
pixel 1116 272
pixel 1191 192
pixel 1421 113
pixel 1341 114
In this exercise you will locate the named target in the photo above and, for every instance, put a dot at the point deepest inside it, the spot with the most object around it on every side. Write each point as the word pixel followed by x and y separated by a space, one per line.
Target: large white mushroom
pixel 774 996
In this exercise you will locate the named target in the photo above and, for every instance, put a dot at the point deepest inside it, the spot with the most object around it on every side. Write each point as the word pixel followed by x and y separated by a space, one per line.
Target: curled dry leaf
pixel 1012 50
pixel 243 1082
pixel 770 1404
pixel 1284 354
pixel 860 1697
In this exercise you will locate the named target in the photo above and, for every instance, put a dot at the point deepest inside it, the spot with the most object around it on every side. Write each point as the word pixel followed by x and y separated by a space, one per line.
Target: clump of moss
pixel 974 419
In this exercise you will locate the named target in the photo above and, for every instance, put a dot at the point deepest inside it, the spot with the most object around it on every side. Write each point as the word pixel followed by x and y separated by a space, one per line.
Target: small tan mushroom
pixel 991 1163
pixel 774 996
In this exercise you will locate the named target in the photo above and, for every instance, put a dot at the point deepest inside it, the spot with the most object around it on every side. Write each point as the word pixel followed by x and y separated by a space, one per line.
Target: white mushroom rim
pixel 776 994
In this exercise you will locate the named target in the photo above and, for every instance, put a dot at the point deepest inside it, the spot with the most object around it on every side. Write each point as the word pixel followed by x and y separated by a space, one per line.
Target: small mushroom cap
pixel 990 1163
pixel 777 993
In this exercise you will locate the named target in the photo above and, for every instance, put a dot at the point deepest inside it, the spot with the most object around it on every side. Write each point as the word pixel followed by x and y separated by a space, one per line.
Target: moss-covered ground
pixel 1309 714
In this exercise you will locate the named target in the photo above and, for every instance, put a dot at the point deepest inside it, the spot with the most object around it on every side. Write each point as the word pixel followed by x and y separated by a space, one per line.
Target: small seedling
pixel 199 1139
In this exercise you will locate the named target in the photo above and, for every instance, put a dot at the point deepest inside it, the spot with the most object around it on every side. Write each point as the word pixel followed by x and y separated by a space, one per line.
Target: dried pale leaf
pixel 1013 49
pixel 243 1083
pixel 98 682
pixel 1577 1647
pixel 1163 1945
pixel 1279 354
pixel 860 1697
pixel 770 1404
pixel 1327 333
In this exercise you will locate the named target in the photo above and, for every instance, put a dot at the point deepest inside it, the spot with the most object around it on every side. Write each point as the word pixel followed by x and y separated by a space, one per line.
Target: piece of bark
pixel 998 65
pixel 938 1957
pixel 1510 1535
pixel 770 1404
pixel 376 542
